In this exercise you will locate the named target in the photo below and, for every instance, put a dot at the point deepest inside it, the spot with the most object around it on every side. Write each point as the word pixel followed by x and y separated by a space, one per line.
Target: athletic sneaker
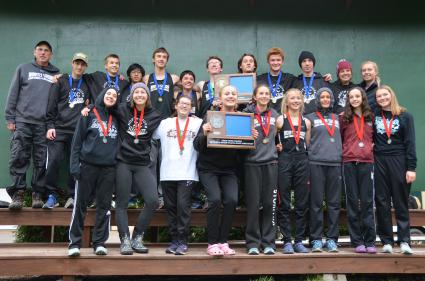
pixel 331 246
pixel 387 248
pixel 253 251
pixel 69 203
pixel 360 249
pixel 101 251
pixel 287 248
pixel 73 252
pixel 405 248
pixel 300 248
pixel 132 203
pixel 317 246
pixel 172 248
pixel 51 202
pixel 17 200
pixel 268 251
pixel 36 200
pixel 371 250
pixel 181 249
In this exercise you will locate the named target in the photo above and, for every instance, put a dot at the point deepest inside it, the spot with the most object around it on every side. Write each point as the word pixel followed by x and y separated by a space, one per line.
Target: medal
pixel 72 93
pixel 274 89
pixel 330 131
pixel 105 131
pixel 181 137
pixel 111 83
pixel 387 128
pixel 137 123
pixel 307 88
pixel 296 134
pixel 265 128
pixel 359 129
pixel 159 89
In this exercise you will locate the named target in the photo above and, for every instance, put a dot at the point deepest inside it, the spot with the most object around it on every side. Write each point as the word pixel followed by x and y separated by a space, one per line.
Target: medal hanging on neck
pixel 330 131
pixel 359 130
pixel 211 92
pixel 112 84
pixel 266 127
pixel 274 89
pixel 387 128
pixel 307 88
pixel 106 130
pixel 159 89
pixel 72 93
pixel 181 137
pixel 297 134
pixel 137 123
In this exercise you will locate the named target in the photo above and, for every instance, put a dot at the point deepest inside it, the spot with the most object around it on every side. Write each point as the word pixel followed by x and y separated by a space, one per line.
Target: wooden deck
pixel 52 260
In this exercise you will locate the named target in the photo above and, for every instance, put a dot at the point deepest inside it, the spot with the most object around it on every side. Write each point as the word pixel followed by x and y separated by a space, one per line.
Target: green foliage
pixel 314 278
pixel 263 278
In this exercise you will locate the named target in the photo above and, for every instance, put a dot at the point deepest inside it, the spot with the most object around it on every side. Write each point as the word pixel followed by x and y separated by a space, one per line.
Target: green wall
pixel 393 36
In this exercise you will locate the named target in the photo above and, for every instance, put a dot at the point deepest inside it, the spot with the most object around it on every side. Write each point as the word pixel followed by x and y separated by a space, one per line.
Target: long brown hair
pixel 396 108
pixel 254 93
pixel 365 108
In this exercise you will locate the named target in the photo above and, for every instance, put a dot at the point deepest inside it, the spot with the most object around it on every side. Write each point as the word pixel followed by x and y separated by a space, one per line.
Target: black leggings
pixel 218 186
pixel 145 183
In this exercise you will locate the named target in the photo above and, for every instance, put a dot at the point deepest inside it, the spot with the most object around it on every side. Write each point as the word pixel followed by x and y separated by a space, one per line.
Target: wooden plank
pixel 53 261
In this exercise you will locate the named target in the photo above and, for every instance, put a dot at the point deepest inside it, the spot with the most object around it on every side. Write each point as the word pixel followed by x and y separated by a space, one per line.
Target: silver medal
pixel 105 140
pixel 266 140
pixel 136 141
pixel 71 105
pixel 332 139
pixel 297 148
pixel 389 141
pixel 361 144
pixel 160 99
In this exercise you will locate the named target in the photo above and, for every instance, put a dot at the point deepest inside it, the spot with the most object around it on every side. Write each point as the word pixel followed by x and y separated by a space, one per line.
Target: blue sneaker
pixel 299 248
pixel 172 248
pixel 269 251
pixel 287 248
pixel 51 202
pixel 181 249
pixel 253 251
pixel 316 246
pixel 331 246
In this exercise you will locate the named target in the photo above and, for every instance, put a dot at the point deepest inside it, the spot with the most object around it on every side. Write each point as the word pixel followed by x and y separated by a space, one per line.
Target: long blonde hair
pixel 396 108
pixel 375 66
pixel 284 107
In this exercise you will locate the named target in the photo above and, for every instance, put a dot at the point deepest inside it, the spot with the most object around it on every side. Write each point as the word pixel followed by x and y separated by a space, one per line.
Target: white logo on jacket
pixel 40 76
pixel 380 128
pixel 113 132
pixel 131 129
pixel 77 95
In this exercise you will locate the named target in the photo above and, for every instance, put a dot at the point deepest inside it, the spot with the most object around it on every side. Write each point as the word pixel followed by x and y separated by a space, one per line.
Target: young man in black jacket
pixel 26 116
pixel 66 100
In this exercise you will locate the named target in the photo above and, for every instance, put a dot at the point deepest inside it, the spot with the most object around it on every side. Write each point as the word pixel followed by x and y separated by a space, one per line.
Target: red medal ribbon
pixel 298 134
pixel 266 129
pixel 181 138
pixel 331 132
pixel 359 131
pixel 387 129
pixel 104 131
pixel 138 124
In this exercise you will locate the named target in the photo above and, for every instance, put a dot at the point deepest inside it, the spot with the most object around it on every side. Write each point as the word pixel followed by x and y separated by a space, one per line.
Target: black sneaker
pixel 37 203
pixel 17 200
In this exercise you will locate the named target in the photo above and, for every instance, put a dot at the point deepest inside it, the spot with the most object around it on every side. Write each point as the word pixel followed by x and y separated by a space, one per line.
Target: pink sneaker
pixel 214 250
pixel 226 249
pixel 371 250
pixel 361 249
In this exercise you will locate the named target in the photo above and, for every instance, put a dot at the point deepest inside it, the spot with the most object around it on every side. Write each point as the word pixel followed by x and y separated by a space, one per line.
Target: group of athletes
pixel 313 137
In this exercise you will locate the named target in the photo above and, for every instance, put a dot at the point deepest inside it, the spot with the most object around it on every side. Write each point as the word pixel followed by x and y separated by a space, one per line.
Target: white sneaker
pixel 101 251
pixel 69 203
pixel 73 252
pixel 388 249
pixel 405 248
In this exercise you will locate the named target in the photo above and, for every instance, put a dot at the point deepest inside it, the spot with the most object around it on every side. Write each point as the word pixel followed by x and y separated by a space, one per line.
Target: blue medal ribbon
pixel 110 82
pixel 274 89
pixel 160 89
pixel 307 89
pixel 210 93
pixel 72 93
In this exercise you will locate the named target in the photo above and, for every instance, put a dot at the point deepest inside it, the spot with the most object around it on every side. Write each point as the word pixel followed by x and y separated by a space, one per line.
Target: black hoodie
pixel 62 111
pixel 310 99
pixel 98 81
pixel 371 94
pixel 130 152
pixel 87 143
